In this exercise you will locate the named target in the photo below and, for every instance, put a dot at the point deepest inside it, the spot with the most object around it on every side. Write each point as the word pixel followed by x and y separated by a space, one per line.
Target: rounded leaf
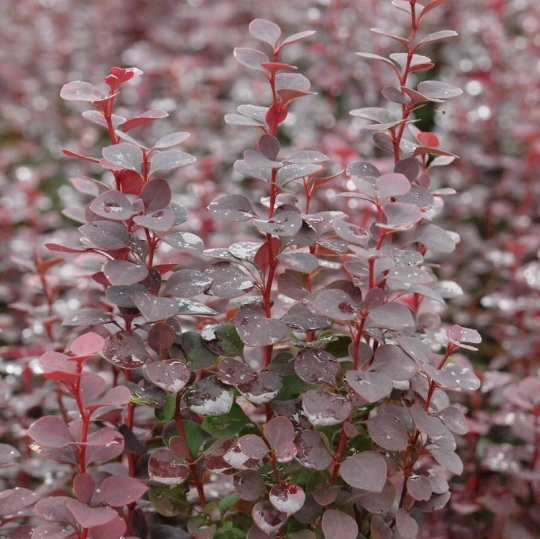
pixel 338 524
pixel 232 208
pixel 121 272
pixel 118 491
pixel 366 470
pixel 80 91
pixel 167 468
pixel 287 497
pixel 170 375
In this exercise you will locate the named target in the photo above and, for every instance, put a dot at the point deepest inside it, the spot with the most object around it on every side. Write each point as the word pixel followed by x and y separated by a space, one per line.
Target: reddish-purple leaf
pixel 256 330
pixel 54 509
pixel 154 308
pixel 250 58
pixel 454 420
pixel 185 242
pixel 278 430
pixel 287 497
pixel 336 304
pixel 394 316
pixel 454 376
pixel 172 139
pixel 263 389
pixel 209 397
pixel 371 386
pixel 406 525
pixel 366 470
pixel 50 431
pixel 438 90
pixel 167 468
pixel 297 37
pixel 13 500
pixel 435 238
pixel 83 487
pixel 380 529
pixel 88 516
pixel 316 367
pixel 312 452
pixel 323 408
pixel 122 272
pixel 430 425
pixel 118 491
pixel 169 160
pixel 284 223
pixel 249 485
pixel 105 444
pixel 113 205
pixel 53 531
pixel 267 517
pixel 80 91
pixel 394 362
pixel 124 156
pixel 388 432
pixel 339 524
pixel 112 530
pixel 419 488
pixel 125 350
pixel 186 283
pixel 170 375
pixel 144 118
pixel 232 208
pixel 233 372
pixel 106 235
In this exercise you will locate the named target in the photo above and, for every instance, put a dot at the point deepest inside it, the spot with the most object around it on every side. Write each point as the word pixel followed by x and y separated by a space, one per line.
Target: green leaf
pixel 293 386
pixel 169 501
pixel 166 414
pixel 223 340
pixel 230 533
pixel 339 346
pixel 154 399
pixel 195 436
pixel 196 353
pixel 227 502
pixel 228 424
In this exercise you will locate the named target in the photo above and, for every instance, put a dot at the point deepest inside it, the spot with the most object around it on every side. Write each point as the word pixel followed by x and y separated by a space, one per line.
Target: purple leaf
pixel 263 389
pixel 209 397
pixel 170 375
pixel 269 146
pixel 336 304
pixel 435 238
pixel 124 156
pixel 394 362
pixel 232 208
pixel 300 318
pixel 406 525
pixel 90 516
pixel 401 216
pixel 50 431
pixel 112 530
pixel 121 272
pixel 229 281
pixel 249 485
pixel 278 431
pixel 323 408
pixel 258 160
pixel 285 223
pixel 454 420
pixel 454 377
pixel 351 233
pixel 375 114
pixel 172 139
pixel 267 517
pixel 256 330
pixel 380 529
pixel 392 185
pixel 13 500
pixel 105 444
pixel 312 452
pixel 366 470
pixel 297 37
pixel 371 386
pixel 125 350
pixel 186 283
pixel 113 205
pixel 54 509
pixel 54 531
pixel 8 455
pixel 435 36
pixel 233 372
pixel 118 491
pixel 83 487
pixel 167 468
pixel 339 524
pixel 185 242
pixel 88 344
pixel 253 446
pixel 266 31
pixel 169 160
pixel 388 432
pixel 316 367
pixel 305 157
pixel 80 91
pixel 106 235
pixel 430 425
pixel 144 118
pixel 394 316
pixel 156 194
pixel 303 262
pixel 287 498
pixel 438 90
pixel 292 172
pixel 159 221
pixel 154 308
pixel 419 488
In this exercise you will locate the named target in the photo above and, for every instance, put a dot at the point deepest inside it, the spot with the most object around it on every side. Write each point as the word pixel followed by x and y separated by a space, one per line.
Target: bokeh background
pixel 184 49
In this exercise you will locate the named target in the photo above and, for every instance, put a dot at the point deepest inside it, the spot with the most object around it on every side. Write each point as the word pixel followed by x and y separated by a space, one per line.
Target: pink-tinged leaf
pixel 266 31
pixel 287 498
pixel 312 452
pixel 459 335
pixel 394 316
pixel 13 500
pixel 435 238
pixel 186 283
pixel 121 272
pixel 323 408
pixel 401 216
pixel 269 146
pixel 125 156
pixel 283 223
pixel 54 362
pixel 54 509
pixel 454 376
pixel 371 56
pixel 80 91
pixel 336 304
pixel 454 420
pixel 83 487
pixel 154 308
pixel 338 524
pixel 105 444
pixel 169 160
pixel 388 432
pixel 232 208
pixel 371 386
pixel 170 140
pixel 112 530
pixel 156 194
pixel 116 397
pixel 71 153
pixel 125 350
pixel 394 362
pixel 233 372
pixel 249 485
pixel 250 58
pixel 107 235
pixel 97 117
pixel 430 425
pixel 88 344
pixel 90 516
pixel 54 531
pixel 263 389
pixel 419 488
pixel 393 185
pixel 447 458
pixel 131 183
pixel 185 242
pixel 258 160
pixel 380 529
pixel 118 491
pixel 170 375
pixel 113 205
pixel 267 517
pixel 50 431
pixel 406 525
pixel 209 397
pixel 294 38
pixel 256 330
pixel 8 455
pixel 428 7
pixel 285 452
pixel 316 367
pixel 402 40
pixel 144 118
pixel 167 468
pixel 366 470
pixel 438 90
pixel 375 114
pixel 278 430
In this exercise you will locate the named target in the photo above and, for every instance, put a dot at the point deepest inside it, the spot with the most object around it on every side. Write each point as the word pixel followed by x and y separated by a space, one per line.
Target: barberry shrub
pixel 293 383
